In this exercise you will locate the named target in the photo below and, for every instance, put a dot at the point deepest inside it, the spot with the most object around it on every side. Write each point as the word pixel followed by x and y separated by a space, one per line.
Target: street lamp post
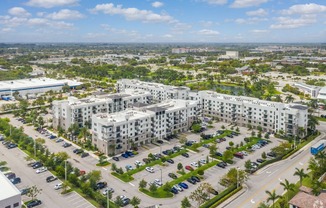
pixel 161 176
pixel 65 170
pixel 107 199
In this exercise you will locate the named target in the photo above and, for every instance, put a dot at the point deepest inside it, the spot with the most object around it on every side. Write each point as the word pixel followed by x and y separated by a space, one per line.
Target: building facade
pixel 158 91
pixel 10 196
pixel 117 132
pixel 308 89
pixel 80 111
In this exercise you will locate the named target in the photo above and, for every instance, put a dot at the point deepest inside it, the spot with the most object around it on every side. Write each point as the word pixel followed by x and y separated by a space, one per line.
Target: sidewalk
pixel 234 197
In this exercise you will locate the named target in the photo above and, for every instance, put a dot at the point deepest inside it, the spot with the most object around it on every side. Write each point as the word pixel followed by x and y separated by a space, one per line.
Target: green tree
pixel 301 174
pixel 201 172
pixel 263 155
pixel 233 176
pixel 272 196
pixel 179 166
pixel 167 186
pixel 185 203
pixel 227 155
pixel 196 128
pixel 289 98
pixel 33 192
pixel 248 165
pixel 142 184
pixel 153 187
pixel 287 186
pixel 118 201
pixel 135 201
pixel 114 167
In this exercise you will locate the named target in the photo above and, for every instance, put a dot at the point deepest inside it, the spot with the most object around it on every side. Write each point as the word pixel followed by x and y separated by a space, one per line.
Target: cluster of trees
pixel 316 82
pixel 294 90
pixel 297 70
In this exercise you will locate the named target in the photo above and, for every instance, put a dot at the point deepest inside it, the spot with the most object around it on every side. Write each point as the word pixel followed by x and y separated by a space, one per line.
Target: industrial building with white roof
pixel 10 196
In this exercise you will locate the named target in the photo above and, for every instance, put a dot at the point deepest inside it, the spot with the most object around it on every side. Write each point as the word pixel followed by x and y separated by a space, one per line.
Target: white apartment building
pixel 73 110
pixel 308 89
pixel 159 91
pixel 10 196
pixel 244 111
pixel 117 132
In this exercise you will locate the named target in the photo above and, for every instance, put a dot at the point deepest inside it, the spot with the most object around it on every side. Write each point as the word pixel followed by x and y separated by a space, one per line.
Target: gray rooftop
pixel 156 109
pixel 7 188
pixel 114 96
pixel 299 107
pixel 139 105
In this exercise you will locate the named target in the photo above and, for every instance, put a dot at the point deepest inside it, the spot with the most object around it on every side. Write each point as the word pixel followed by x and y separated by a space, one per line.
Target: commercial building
pixel 115 133
pixel 159 91
pixel 73 110
pixel 308 89
pixel 245 111
pixel 230 55
pixel 305 198
pixel 322 93
pixel 34 86
pixel 10 196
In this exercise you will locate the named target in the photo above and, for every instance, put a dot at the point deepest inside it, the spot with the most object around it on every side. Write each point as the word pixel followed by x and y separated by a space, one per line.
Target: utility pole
pixel 65 170
pixel 107 199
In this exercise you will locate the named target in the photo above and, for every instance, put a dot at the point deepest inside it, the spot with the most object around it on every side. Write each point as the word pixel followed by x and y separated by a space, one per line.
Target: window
pixel 8 206
pixel 16 204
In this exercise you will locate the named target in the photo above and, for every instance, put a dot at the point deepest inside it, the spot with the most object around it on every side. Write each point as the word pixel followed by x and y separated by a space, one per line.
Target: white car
pixel 158 182
pixel 150 169
pixel 194 164
pixel 108 190
pixel 202 161
pixel 41 170
pixel 245 153
pixel 58 186
pixel 138 163
pixel 122 197
pixel 178 187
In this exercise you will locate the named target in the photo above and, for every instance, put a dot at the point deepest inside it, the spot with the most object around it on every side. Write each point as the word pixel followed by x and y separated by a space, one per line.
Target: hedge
pixel 220 196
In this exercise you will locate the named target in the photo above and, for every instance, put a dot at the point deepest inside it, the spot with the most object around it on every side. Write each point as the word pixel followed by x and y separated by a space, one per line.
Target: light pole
pixel 65 170
pixel 161 176
pixel 107 199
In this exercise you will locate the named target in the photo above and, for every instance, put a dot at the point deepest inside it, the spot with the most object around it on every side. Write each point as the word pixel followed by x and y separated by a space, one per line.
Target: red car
pixel 189 168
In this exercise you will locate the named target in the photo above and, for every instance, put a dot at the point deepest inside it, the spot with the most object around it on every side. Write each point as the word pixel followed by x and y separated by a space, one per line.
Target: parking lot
pixel 29 177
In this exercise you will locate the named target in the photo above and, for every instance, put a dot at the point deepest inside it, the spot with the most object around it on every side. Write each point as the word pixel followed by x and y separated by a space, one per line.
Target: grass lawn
pixel 103 164
pixel 160 193
pixel 321 119
pixel 124 177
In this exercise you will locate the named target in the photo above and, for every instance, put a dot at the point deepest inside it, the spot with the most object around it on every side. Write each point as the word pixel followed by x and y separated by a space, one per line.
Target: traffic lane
pixel 17 164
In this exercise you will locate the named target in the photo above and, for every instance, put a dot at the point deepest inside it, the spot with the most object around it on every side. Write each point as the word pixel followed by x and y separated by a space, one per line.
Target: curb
pixel 234 196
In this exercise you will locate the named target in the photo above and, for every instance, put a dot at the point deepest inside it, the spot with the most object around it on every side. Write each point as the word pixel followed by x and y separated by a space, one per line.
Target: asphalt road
pixel 270 178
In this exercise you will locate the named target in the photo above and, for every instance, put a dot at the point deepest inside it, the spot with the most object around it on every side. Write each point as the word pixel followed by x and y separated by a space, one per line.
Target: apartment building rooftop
pixel 121 116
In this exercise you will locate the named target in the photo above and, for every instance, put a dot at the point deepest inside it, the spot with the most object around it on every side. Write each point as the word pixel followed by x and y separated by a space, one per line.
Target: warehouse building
pixel 10 196
pixel 34 86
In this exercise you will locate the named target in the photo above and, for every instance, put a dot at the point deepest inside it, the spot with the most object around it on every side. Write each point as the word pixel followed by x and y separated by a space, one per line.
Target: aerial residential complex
pixel 10 196
pixel 141 124
pixel 73 110
pixel 130 116
pixel 34 86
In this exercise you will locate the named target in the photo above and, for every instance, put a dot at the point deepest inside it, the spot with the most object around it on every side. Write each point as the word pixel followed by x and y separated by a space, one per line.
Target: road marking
pixel 268 172
pixel 300 163
pixel 131 184
pixel 280 179
pixel 273 172
pixel 104 168
pixel 252 201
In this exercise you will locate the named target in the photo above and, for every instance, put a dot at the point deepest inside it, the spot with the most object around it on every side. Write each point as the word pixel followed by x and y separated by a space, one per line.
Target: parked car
pixel 37 165
pixel 192 181
pixel 185 154
pixel 194 164
pixel 51 178
pixel 24 191
pixel 78 151
pixel 100 185
pixel 158 182
pixel 59 140
pixel 129 167
pixel 125 202
pixel 150 169
pixel 271 154
pixel 238 155
pixel 172 175
pixel 220 164
pixel 124 155
pixel 202 161
pixel 58 186
pixel 195 178
pixel 160 141
pixel 179 188
pixel 170 161
pixel 138 163
pixel 33 203
pixel 10 175
pixel 110 190
pixel 260 160
pixel 84 154
pixel 41 170
pixel 15 180
pixel 115 158
pixel 183 185
pixel 11 145
pixel 174 190
pixel 213 191
pixel 66 144
pixel 189 168
pixel 218 154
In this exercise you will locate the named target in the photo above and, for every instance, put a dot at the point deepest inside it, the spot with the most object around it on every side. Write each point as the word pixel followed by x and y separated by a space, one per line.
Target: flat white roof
pixel 122 116
pixel 34 83
pixel 7 189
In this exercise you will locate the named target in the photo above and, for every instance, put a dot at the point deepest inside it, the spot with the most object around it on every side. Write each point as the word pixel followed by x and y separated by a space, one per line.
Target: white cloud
pixel 167 36
pixel 132 13
pixel 251 20
pixel 247 3
pixel 48 23
pixel 259 12
pixel 259 31
pixel 6 29
pixel 208 32
pixel 217 2
pixel 180 28
pixel 10 22
pixel 305 9
pixel 65 14
pixel 51 3
pixel 290 23
pixel 19 12
pixel 157 4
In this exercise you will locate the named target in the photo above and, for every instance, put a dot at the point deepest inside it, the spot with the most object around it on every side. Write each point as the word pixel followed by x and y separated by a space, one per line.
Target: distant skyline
pixel 218 21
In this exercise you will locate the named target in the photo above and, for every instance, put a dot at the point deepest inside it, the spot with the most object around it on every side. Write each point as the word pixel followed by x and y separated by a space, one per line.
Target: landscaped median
pixel 161 193
pixel 127 176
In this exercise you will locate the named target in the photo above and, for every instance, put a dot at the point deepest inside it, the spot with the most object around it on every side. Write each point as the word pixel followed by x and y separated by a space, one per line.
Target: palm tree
pixel 312 122
pixel 289 99
pixel 84 133
pixel 272 196
pixel 263 205
pixel 287 186
pixel 313 104
pixel 314 167
pixel 278 98
pixel 301 174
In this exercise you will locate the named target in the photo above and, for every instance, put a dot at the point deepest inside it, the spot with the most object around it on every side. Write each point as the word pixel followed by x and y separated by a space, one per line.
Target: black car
pixel 271 154
pixel 172 175
pixel 78 151
pixel 37 165
pixel 218 154
pixel 34 203
pixel 11 145
pixel 160 141
pixel 170 161
pixel 174 190
pixel 195 178
pixel 10 175
pixel 260 160
pixel 100 185
pixel 185 154
pixel 190 180
pixel 51 178
pixel 24 191
pixel 84 154
pixel 212 191
pixel 125 201
pixel 66 144
pixel 221 165
pixel 16 180
pixel 146 160
pixel 115 158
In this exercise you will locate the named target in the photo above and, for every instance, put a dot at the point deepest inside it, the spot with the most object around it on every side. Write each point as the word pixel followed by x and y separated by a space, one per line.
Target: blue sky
pixel 163 21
